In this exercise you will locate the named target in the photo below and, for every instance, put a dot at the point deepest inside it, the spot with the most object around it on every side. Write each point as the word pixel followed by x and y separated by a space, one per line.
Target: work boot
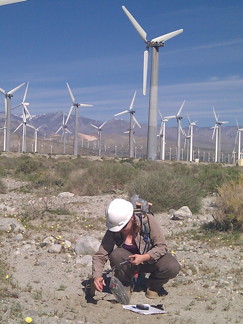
pixel 151 294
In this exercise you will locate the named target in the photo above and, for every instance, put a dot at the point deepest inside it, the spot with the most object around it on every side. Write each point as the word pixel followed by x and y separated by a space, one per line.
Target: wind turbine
pixel 238 135
pixel 191 134
pixel 162 135
pixel 35 136
pixel 155 43
pixel 133 121
pixel 99 128
pixel 25 115
pixel 6 2
pixel 4 136
pixel 76 105
pixel 65 130
pixel 8 95
pixel 217 132
pixel 178 118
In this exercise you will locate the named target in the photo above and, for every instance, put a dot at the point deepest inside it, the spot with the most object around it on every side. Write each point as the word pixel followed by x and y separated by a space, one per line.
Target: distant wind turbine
pixel 8 95
pixel 155 43
pixel 6 2
pixel 191 134
pixel 238 136
pixel 65 130
pixel 217 133
pixel 162 135
pixel 35 137
pixel 25 115
pixel 178 118
pixel 76 105
pixel 99 129
pixel 133 121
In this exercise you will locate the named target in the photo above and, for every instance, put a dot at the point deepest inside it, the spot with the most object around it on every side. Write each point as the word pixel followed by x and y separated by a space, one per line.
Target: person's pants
pixel 167 267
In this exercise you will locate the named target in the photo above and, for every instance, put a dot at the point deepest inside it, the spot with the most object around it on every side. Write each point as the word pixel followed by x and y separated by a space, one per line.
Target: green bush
pixel 166 190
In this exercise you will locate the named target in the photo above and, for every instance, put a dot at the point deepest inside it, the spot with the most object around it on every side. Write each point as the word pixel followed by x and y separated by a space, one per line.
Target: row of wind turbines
pixel 153 112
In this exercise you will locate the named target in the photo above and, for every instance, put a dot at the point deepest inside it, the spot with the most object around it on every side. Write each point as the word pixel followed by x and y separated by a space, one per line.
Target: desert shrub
pixel 166 190
pixel 229 211
pixel 101 177
pixel 2 187
pixel 212 176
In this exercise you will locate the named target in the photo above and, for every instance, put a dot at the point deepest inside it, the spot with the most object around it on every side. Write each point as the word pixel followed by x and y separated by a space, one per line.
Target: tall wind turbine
pixel 65 130
pixel 238 136
pixel 6 2
pixel 8 95
pixel 99 129
pixel 4 136
pixel 155 43
pixel 191 134
pixel 76 105
pixel 217 131
pixel 133 121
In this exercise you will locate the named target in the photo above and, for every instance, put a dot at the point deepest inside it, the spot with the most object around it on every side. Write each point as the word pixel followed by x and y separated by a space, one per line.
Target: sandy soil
pixel 50 287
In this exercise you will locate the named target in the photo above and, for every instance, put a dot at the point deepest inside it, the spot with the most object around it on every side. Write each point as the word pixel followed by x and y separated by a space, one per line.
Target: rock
pixel 65 195
pixel 87 245
pixel 7 209
pixel 55 248
pixel 11 225
pixel 49 240
pixel 182 213
pixel 19 237
pixel 85 260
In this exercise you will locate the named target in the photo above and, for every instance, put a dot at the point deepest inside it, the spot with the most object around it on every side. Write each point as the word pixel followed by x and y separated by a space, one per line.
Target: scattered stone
pixel 182 213
pixel 19 237
pixel 11 225
pixel 7 209
pixel 86 260
pixel 87 245
pixel 65 195
pixel 55 248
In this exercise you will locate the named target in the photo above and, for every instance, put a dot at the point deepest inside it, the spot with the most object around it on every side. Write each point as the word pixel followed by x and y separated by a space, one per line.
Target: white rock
pixel 87 245
pixel 85 260
pixel 183 212
pixel 11 225
pixel 65 195
pixel 55 248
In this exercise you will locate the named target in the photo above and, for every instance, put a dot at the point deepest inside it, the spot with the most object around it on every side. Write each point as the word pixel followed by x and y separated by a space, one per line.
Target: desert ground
pixel 48 285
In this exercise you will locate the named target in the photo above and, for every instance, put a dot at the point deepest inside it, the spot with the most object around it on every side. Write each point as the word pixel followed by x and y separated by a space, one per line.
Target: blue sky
pixel 92 45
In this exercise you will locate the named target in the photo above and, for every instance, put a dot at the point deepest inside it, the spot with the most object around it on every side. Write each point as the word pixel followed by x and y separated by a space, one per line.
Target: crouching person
pixel 126 238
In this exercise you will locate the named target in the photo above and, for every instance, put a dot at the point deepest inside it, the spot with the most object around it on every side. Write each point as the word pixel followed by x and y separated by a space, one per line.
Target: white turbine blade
pixel 214 128
pixel 188 118
pixel 126 132
pixel 69 114
pixel 182 131
pixel 18 127
pixel 170 117
pixel 6 2
pixel 165 37
pixel 132 102
pixel 224 122
pixel 16 106
pixel 67 130
pixel 136 25
pixel 94 126
pixel 215 116
pixel 2 91
pixel 58 129
pixel 15 89
pixel 135 120
pixel 179 111
pixel 237 123
pixel 122 112
pixel 161 117
pixel 85 105
pixel 145 71
pixel 25 93
pixel 71 94
pixel 26 109
pixel 103 124
pixel 63 118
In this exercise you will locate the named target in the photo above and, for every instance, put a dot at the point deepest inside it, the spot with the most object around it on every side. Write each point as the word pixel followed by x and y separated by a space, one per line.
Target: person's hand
pixel 99 283
pixel 137 259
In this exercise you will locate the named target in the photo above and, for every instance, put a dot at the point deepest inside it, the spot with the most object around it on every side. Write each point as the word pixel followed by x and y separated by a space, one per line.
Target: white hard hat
pixel 118 213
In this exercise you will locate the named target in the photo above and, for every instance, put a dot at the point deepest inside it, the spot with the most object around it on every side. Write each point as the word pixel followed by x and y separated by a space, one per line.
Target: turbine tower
pixel 99 129
pixel 238 136
pixel 6 2
pixel 65 130
pixel 133 121
pixel 8 95
pixel 217 131
pixel 76 105
pixel 191 134
pixel 25 115
pixel 155 43
pixel 35 137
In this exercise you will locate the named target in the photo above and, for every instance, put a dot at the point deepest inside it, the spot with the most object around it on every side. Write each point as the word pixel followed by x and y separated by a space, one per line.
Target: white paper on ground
pixel 150 311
